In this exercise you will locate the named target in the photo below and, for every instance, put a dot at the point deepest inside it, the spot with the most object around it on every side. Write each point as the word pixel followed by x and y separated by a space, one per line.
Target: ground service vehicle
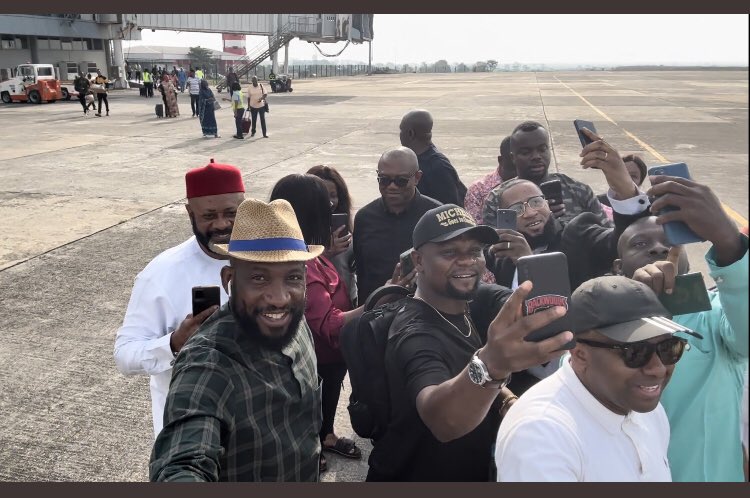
pixel 34 83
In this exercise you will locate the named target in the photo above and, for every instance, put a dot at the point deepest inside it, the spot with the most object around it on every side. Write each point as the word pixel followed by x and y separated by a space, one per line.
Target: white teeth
pixel 274 316
pixel 650 388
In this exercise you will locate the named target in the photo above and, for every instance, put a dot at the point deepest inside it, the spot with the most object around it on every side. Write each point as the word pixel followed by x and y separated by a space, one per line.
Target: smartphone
pixel 579 124
pixel 407 265
pixel 688 296
pixel 552 190
pixel 549 274
pixel 506 219
pixel 339 220
pixel 205 297
pixel 677 232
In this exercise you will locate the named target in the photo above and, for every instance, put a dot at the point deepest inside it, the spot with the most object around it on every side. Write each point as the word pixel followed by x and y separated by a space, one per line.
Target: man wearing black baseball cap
pixel 450 353
pixel 598 418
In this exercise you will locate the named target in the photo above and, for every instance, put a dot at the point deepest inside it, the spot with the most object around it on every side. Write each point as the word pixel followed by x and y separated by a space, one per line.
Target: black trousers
pixel 194 104
pixel 102 97
pixel 82 99
pixel 254 113
pixel 149 89
pixel 238 113
pixel 333 375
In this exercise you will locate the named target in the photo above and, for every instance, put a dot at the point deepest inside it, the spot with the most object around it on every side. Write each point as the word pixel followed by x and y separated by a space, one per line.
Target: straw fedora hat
pixel 267 233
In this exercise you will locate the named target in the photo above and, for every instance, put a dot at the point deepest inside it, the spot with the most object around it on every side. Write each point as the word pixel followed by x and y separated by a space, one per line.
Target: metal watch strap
pixel 491 383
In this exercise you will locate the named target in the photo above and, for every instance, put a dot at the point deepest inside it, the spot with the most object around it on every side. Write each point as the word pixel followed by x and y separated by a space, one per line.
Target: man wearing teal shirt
pixel 703 398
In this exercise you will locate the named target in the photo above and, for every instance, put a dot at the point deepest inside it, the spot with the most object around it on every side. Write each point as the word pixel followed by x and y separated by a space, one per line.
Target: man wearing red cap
pixel 158 320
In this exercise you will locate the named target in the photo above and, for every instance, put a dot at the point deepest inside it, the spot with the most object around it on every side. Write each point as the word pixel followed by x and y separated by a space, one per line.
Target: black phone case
pixel 338 220
pixel 580 123
pixel 549 274
pixel 552 191
pixel 407 265
pixel 205 297
pixel 677 232
pixel 506 219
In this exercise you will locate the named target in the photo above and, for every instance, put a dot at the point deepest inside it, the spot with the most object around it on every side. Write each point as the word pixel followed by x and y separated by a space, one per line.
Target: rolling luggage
pixel 159 109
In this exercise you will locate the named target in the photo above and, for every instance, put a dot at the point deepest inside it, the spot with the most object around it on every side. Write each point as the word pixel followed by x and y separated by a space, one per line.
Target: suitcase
pixel 159 109
pixel 144 92
pixel 246 123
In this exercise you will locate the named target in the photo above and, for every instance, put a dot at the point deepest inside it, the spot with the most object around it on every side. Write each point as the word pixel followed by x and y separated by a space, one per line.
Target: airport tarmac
pixel 86 202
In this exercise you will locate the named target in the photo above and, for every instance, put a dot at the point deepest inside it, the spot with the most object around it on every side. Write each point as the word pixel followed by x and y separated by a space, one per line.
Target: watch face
pixel 475 373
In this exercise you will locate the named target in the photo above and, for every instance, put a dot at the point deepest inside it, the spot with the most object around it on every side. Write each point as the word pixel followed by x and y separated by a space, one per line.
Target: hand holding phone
pixel 677 232
pixel 579 124
pixel 339 220
pixel 549 275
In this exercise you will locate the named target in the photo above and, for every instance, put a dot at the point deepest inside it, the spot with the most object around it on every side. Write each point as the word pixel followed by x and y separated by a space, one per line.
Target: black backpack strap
pixel 383 291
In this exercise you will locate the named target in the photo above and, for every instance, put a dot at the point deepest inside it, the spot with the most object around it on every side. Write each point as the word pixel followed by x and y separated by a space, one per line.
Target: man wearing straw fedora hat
pixel 158 320
pixel 244 401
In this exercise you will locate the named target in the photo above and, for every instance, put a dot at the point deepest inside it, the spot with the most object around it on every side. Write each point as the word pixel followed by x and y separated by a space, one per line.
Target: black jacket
pixel 589 246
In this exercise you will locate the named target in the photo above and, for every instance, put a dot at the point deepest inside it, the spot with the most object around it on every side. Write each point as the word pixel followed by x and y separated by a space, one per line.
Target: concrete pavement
pixel 86 202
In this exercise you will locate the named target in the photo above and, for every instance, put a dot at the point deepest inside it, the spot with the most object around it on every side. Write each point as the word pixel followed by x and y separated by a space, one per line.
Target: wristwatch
pixel 480 376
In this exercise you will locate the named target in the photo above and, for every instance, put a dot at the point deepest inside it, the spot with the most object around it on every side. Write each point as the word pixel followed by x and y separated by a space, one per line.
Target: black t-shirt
pixel 379 239
pixel 423 350
pixel 439 178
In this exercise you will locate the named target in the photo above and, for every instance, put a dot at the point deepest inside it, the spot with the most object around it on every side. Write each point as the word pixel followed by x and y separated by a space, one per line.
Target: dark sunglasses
pixel 638 354
pixel 400 181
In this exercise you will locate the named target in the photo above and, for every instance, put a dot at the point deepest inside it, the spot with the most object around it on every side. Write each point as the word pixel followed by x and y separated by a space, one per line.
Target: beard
pixel 205 239
pixel 248 323
pixel 454 293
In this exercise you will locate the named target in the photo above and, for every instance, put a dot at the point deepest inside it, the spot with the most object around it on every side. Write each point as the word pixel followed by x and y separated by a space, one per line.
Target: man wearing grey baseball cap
pixel 450 352
pixel 598 418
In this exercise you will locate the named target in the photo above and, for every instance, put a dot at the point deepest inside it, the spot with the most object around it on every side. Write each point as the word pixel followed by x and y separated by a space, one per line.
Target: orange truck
pixel 34 83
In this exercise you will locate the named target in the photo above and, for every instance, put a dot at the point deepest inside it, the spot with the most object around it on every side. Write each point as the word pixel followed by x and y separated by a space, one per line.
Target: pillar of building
pixel 117 65
pixel 34 48
pixel 286 58
pixel 274 58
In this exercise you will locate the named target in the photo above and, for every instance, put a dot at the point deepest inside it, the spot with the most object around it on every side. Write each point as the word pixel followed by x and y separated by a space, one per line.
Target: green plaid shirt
pixel 239 412
pixel 577 197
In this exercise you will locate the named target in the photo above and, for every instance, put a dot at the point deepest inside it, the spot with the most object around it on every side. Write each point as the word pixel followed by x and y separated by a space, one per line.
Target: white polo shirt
pixel 558 431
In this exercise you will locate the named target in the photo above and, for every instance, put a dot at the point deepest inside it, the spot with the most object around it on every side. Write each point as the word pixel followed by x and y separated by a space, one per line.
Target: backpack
pixel 363 343
pixel 78 85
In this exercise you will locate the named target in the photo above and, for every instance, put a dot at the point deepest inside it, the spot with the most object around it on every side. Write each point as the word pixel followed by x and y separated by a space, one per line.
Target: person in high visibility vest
pixel 148 82
pixel 198 73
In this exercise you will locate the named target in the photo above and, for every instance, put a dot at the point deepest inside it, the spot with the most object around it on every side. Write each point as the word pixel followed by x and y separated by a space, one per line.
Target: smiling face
pixel 451 269
pixel 619 388
pixel 267 299
pixel 212 217
pixel 531 223
pixel 643 243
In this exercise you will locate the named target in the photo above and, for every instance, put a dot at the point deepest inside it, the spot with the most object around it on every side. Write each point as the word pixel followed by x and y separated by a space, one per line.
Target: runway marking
pixel 737 217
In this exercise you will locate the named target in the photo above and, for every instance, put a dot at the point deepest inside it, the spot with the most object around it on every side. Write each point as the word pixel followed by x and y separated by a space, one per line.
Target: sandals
pixel 345 447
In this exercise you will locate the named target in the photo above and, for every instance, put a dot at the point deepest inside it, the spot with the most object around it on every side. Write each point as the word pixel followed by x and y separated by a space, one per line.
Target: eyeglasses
pixel 400 181
pixel 638 354
pixel 536 202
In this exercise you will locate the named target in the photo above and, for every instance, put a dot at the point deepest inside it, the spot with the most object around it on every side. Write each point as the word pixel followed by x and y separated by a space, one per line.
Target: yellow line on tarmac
pixel 737 217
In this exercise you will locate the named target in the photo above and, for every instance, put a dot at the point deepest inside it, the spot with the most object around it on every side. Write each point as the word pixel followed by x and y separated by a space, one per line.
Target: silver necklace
pixel 466 319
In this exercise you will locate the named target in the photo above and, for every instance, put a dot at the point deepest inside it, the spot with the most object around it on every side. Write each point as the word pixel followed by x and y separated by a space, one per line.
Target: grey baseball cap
pixel 622 309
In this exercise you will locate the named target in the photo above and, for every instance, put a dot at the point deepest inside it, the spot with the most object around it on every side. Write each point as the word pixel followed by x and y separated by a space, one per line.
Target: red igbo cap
pixel 213 179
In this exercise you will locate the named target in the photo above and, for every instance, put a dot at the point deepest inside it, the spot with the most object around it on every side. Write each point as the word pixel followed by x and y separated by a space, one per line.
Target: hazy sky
pixel 528 38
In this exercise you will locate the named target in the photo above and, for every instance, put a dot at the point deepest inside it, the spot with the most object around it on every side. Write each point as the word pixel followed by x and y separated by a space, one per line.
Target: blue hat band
pixel 272 244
